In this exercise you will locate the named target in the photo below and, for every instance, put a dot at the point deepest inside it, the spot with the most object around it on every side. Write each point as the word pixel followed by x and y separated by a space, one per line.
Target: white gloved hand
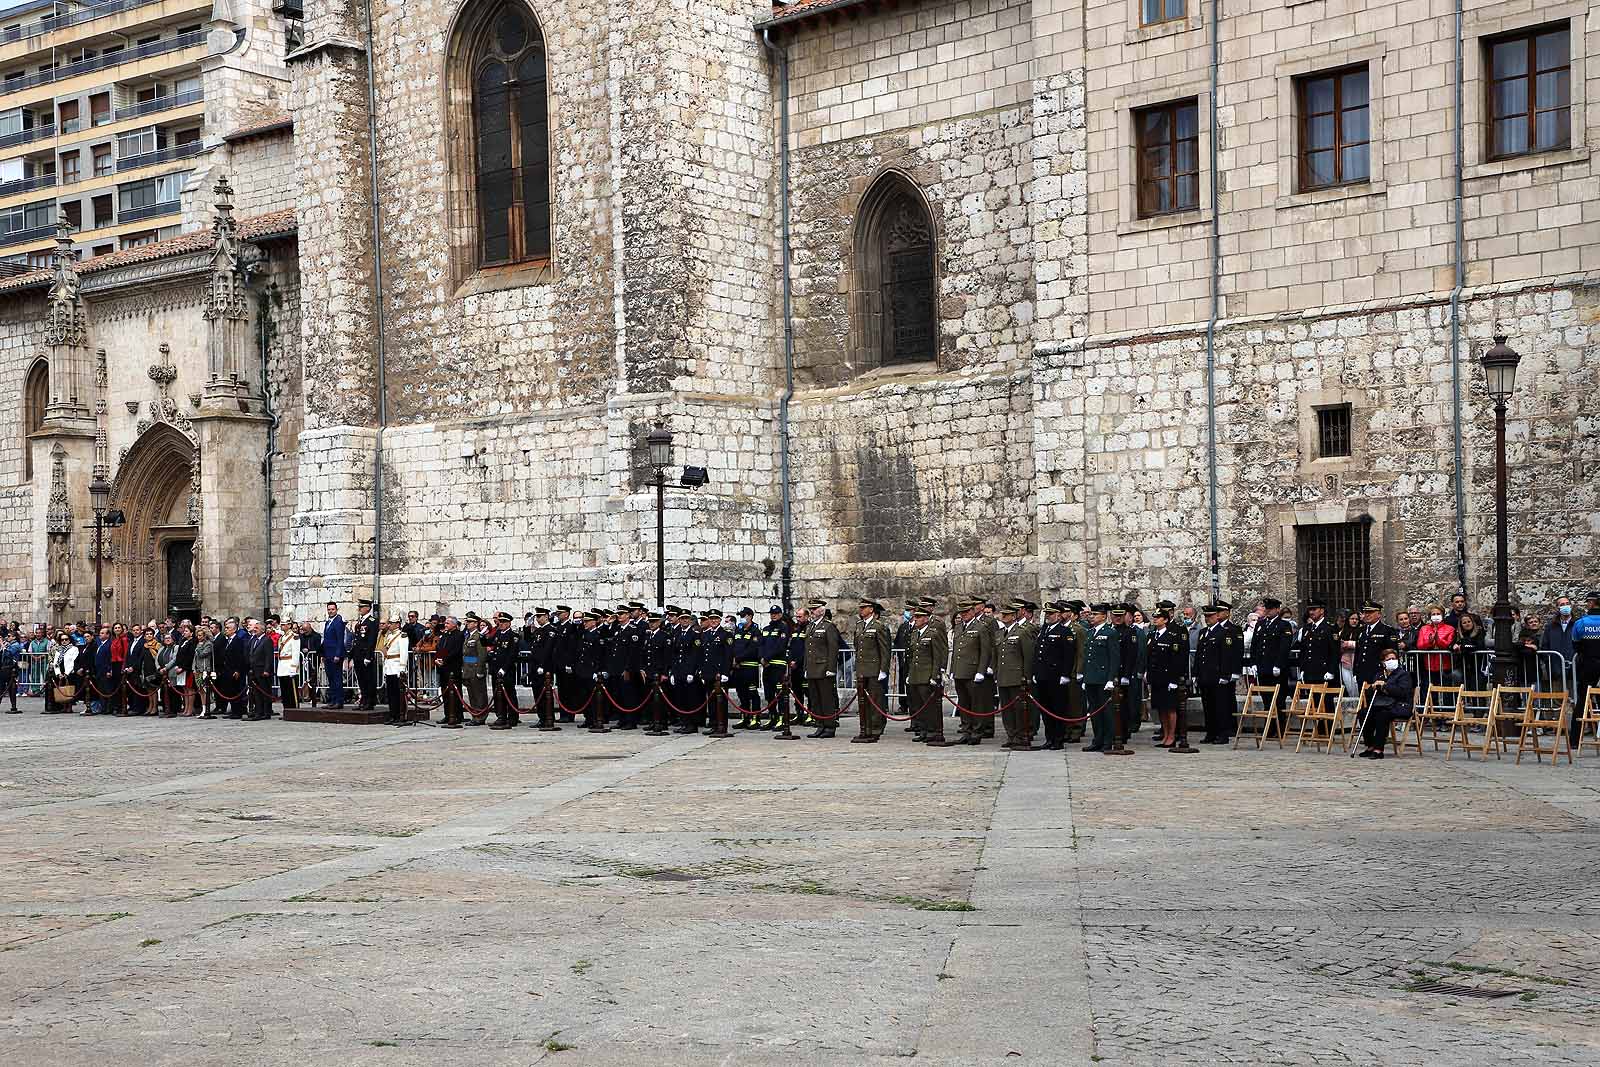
pixel 1080 677
pixel 538 670
pixel 1122 681
pixel 672 679
pixel 722 677
pixel 567 669
pixel 829 674
pixel 883 676
pixel 1251 671
pixel 1327 677
pixel 1276 671
pixel 1235 678
pixel 1172 685
pixel 594 677
pixel 500 674
pixel 688 679
pixel 1110 686
pixel 978 677
pixel 1063 680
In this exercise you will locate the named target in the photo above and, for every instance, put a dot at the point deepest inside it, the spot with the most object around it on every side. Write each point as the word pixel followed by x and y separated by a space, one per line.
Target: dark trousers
pixel 505 700
pixel 747 682
pixel 450 694
pixel 928 709
pixel 544 698
pixel 335 668
pixel 1375 731
pixel 869 699
pixel 1052 695
pixel 260 696
pixel 1018 716
pixel 970 696
pixel 8 687
pixel 824 702
pixel 1102 715
pixel 394 695
pixel 773 676
pixel 571 689
pixel 287 691
pixel 367 680
pixel 1220 702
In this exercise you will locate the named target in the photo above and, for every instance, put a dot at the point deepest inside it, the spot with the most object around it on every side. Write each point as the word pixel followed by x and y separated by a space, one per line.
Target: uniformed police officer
pixel 1078 634
pixel 654 667
pixel 972 665
pixel 1102 667
pixel 1050 670
pixel 1272 648
pixel 926 653
pixel 746 651
pixel 541 648
pixel 712 672
pixel 1218 665
pixel 1167 675
pixel 774 651
pixel 680 683
pixel 591 662
pixel 1316 646
pixel 565 653
pixel 872 644
pixel 1375 638
pixel 823 642
pixel 503 653
pixel 1013 671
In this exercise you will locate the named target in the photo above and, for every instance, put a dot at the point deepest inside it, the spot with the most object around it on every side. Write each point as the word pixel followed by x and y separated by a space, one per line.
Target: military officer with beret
pixel 823 642
pixel 872 644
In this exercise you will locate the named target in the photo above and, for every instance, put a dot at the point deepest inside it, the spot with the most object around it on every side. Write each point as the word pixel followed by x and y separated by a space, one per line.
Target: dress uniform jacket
pixel 1014 656
pixel 1220 654
pixel 1317 649
pixel 973 649
pixel 1102 658
pixel 474 657
pixel 1371 643
pixel 873 645
pixel 1271 651
pixel 1167 655
pixel 823 642
pixel 716 656
pixel 925 657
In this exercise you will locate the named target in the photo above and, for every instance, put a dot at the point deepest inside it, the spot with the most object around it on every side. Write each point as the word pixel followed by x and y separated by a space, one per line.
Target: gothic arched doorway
pixel 155 488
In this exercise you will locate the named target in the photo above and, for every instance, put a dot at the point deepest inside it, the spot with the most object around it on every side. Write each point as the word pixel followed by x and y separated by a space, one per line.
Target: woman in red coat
pixel 1435 634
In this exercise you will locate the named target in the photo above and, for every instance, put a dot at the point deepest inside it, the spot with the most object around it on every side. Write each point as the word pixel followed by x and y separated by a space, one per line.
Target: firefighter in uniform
pixel 774 652
pixel 746 643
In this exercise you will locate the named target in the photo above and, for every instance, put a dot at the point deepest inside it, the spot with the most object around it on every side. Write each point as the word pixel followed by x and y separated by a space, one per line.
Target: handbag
pixel 64 694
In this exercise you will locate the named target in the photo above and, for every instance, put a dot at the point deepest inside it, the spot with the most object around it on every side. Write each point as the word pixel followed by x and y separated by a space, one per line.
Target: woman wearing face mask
pixel 1471 640
pixel 1558 638
pixel 1392 701
pixel 1347 653
pixel 1435 634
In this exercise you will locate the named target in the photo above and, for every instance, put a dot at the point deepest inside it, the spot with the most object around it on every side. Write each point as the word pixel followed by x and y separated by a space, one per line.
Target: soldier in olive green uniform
pixel 475 671
pixel 872 644
pixel 822 665
pixel 1013 670
pixel 1102 664
pixel 925 660
pixel 972 665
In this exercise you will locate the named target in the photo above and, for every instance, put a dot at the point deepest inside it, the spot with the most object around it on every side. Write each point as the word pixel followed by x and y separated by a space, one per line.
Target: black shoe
pixel 1092 748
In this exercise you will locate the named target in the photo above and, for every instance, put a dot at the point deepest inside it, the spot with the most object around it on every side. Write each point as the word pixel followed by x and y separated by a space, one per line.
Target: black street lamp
pixel 659 442
pixel 1500 376
pixel 99 497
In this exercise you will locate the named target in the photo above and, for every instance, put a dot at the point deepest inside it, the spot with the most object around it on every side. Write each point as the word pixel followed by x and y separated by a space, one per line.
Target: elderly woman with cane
pixel 1391 701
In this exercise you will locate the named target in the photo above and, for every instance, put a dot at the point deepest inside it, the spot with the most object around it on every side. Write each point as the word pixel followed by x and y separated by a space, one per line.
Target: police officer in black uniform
pixel 1272 649
pixel 1316 646
pixel 1167 672
pixel 685 661
pixel 591 663
pixel 1050 670
pixel 363 650
pixel 713 670
pixel 541 640
pixel 1375 638
pixel 504 651
pixel 565 652
pixel 1218 663
pixel 654 666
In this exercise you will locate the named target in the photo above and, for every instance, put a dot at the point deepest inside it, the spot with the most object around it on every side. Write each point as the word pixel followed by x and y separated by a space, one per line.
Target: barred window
pixel 1333 431
pixel 1334 562
pixel 512 139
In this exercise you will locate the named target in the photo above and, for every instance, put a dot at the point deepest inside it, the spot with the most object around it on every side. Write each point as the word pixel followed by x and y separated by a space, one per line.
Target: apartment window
pixel 102 250
pixel 186 136
pixel 39 259
pixel 186 85
pixel 136 143
pixel 71 167
pixel 1335 129
pixel 1168 139
pixel 67 112
pixel 1530 92
pixel 150 40
pixel 99 109
pixel 102 210
pixel 1333 431
pixel 147 94
pixel 1154 11
pixel 72 211
pixel 137 240
pixel 1334 562
pixel 27 216
pixel 103 162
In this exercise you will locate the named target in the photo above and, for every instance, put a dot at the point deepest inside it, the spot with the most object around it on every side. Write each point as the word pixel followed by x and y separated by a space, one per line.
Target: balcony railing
pixel 38 133
pixel 126 55
pixel 149 211
pixel 23 185
pixel 163 155
pixel 17 237
pixel 161 103
pixel 87 12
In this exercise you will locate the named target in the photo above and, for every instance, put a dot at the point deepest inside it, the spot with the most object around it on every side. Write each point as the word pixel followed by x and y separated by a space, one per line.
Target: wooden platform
pixel 349 715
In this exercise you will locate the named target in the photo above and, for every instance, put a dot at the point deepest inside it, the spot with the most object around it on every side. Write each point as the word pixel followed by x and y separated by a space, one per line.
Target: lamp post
pixel 99 496
pixel 1500 376
pixel 659 442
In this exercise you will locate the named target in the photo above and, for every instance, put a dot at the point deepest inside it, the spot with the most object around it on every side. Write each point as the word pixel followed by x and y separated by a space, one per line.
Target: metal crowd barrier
pixel 32 668
pixel 1545 670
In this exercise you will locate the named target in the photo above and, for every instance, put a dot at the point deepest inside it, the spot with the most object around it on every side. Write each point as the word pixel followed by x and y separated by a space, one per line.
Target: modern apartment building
pixel 104 116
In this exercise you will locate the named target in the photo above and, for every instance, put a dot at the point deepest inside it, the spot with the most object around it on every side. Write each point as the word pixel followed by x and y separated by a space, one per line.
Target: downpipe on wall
pixel 378 314
pixel 1211 319
pixel 781 56
pixel 263 343
pixel 1455 311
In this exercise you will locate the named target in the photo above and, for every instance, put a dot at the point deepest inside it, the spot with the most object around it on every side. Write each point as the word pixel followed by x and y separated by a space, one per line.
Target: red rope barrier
pixel 1053 715
pixel 981 714
pixel 467 705
pixel 901 718
pixel 668 702
pixel 629 711
pixel 581 709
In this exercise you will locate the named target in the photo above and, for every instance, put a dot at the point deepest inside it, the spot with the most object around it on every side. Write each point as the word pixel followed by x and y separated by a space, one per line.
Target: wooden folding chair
pixel 1298 699
pixel 1351 709
pixel 1472 710
pixel 1547 712
pixel 1506 714
pixel 1321 707
pixel 1267 713
pixel 1438 708
pixel 1589 718
pixel 1403 732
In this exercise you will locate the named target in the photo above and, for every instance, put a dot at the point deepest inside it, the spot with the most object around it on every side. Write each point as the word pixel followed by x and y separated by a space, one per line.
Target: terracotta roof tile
pixel 254 228
pixel 801 9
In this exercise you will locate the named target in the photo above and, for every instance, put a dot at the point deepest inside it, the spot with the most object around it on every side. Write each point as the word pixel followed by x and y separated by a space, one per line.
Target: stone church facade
pixel 1071 308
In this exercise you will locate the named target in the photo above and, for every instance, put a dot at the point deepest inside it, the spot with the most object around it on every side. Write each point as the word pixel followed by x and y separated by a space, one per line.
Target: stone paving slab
pixel 288 893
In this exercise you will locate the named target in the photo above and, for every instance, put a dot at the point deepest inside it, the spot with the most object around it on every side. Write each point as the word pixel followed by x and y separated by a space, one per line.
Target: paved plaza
pixel 184 892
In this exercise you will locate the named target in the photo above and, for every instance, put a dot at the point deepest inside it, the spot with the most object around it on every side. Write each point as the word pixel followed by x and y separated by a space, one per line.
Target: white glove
pixel 1327 677
pixel 538 670
pixel 1123 681
pixel 567 669
pixel 1251 671
pixel 1080 677
pixel 672 679
pixel 594 677
pixel 688 679
pixel 500 674
pixel 1110 686
pixel 978 677
pixel 883 676
pixel 1172 685
pixel 829 674
pixel 1063 680
pixel 723 677
pixel 1235 678
pixel 1276 671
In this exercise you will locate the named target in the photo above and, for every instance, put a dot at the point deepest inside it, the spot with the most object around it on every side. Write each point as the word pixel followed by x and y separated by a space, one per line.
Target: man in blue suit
pixel 333 648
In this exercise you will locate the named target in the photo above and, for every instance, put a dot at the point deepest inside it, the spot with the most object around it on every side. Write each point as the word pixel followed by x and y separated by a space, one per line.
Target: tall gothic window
pixel 895 318
pixel 35 398
pixel 511 137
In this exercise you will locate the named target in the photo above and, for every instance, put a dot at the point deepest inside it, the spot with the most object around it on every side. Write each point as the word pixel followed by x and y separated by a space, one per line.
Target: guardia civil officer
pixel 1013 670
pixel 971 665
pixel 872 644
pixel 927 651
pixel 1102 667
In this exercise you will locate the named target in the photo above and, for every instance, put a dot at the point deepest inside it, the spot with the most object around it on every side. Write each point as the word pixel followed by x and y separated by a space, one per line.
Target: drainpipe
pixel 377 291
pixel 272 443
pixel 1211 320
pixel 782 57
pixel 1455 319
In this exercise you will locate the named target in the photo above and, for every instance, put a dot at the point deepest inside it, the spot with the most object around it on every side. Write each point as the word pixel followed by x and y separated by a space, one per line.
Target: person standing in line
pixel 971 665
pixel 1167 679
pixel 873 646
pixel 1013 669
pixel 204 670
pixel 1102 666
pixel 823 642
pixel 262 663
pixel 334 641
pixel 447 656
pixel 394 646
pixel 1218 665
pixel 927 653
pixel 363 654
pixel 774 652
pixel 289 655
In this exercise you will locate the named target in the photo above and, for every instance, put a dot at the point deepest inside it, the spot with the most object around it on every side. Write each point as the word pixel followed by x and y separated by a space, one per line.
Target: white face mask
pixel 1436 618
pixel 1566 609
pixel 1391 664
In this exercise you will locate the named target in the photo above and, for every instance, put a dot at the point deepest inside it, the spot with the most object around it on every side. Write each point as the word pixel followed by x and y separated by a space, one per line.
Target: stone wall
pixel 19 347
pixel 262 172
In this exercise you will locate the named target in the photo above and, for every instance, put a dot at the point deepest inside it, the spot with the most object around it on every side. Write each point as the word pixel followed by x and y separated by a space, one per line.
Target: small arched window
pixel 511 137
pixel 35 398
pixel 896 314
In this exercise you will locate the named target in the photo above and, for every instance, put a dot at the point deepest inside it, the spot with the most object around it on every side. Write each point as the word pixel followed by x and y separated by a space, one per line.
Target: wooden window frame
pixel 1530 37
pixel 1164 20
pixel 1142 177
pixel 871 324
pixel 1339 145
